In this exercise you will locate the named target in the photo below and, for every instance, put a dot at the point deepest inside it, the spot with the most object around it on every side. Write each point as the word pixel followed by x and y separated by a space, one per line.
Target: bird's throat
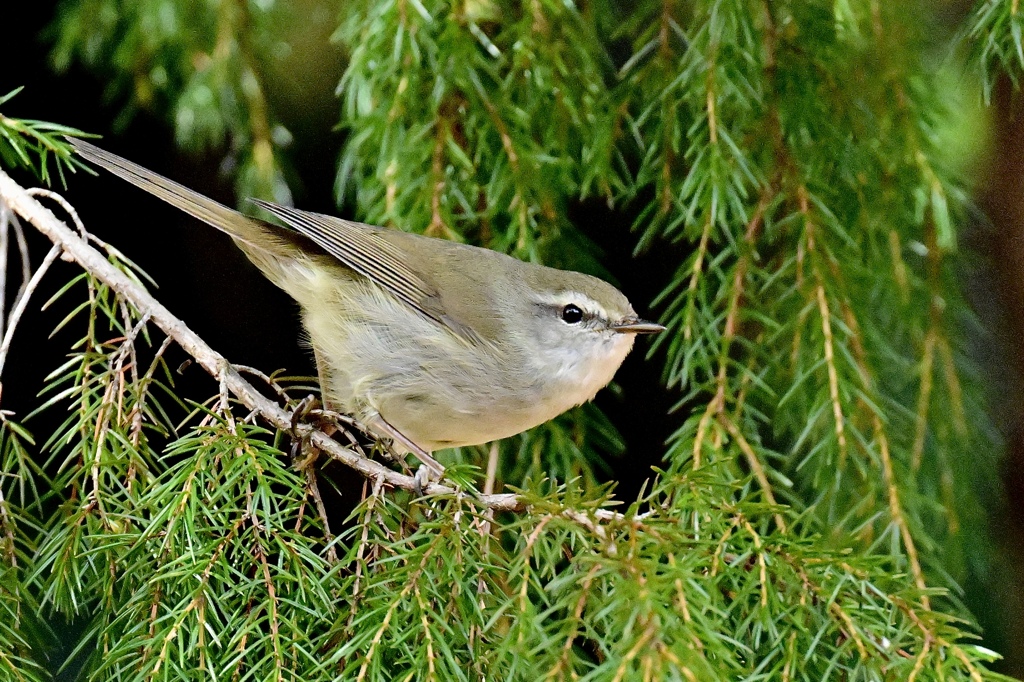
pixel 576 377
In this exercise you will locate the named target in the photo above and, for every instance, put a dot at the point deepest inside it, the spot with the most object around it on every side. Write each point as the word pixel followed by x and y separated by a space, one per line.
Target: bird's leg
pixel 304 456
pixel 328 425
pixel 302 451
pixel 321 375
pixel 329 419
pixel 431 469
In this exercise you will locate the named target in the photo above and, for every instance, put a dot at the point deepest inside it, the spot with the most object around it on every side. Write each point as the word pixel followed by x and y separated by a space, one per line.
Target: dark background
pixel 208 283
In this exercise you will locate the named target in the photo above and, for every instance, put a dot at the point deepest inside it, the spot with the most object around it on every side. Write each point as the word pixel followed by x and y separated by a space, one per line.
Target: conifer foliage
pixel 823 494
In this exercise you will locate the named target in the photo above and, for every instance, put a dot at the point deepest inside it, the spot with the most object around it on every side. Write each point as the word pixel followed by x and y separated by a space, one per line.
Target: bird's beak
pixel 634 325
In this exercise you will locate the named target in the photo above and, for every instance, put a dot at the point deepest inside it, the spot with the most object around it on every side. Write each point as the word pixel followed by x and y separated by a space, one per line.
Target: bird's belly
pixel 481 410
pixel 435 424
pixel 376 355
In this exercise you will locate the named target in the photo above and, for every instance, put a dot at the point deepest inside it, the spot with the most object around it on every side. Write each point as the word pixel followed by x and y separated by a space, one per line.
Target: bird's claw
pixel 302 450
pixel 424 476
pixel 305 406
pixel 429 471
pixel 327 421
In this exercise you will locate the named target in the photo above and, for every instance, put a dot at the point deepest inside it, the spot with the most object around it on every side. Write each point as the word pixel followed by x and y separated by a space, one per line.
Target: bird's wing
pixel 361 249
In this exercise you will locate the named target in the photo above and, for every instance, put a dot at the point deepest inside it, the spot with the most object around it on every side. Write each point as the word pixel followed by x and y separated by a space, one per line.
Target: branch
pixel 93 262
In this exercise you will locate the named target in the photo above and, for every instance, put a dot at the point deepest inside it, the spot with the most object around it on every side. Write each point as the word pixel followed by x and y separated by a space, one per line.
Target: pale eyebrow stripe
pixel 589 305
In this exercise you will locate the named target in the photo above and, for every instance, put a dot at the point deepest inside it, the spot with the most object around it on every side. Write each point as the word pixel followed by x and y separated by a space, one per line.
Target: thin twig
pixel 360 561
pixel 896 511
pixel 26 263
pixel 588 523
pixel 489 480
pixel 828 339
pixel 40 192
pixel 269 380
pixel 29 281
pixel 10 548
pixel 923 399
pixel 310 472
pixel 755 466
pixel 717 403
pixel 22 303
pixel 140 405
pixel 5 235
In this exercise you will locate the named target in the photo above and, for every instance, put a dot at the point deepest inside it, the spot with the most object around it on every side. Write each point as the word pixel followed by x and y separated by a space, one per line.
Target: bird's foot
pixel 430 470
pixel 303 452
pixel 324 419
pixel 305 406
pixel 423 477
pixel 312 412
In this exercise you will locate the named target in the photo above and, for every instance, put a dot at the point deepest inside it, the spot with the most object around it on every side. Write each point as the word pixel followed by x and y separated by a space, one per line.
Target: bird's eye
pixel 572 314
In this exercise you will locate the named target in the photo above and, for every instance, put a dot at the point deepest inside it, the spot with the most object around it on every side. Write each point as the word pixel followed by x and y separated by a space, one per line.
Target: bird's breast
pixel 437 389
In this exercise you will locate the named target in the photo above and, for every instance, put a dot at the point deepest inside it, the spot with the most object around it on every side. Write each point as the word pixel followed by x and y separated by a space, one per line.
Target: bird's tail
pixel 250 233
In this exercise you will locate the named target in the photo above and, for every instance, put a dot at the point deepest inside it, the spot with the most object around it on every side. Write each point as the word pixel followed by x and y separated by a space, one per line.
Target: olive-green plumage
pixel 436 343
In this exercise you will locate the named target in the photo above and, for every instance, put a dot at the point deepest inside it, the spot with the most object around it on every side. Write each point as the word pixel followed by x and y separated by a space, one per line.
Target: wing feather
pixel 362 249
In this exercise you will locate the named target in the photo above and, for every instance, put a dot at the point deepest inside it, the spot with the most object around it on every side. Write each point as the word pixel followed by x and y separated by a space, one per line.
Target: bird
pixel 429 342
